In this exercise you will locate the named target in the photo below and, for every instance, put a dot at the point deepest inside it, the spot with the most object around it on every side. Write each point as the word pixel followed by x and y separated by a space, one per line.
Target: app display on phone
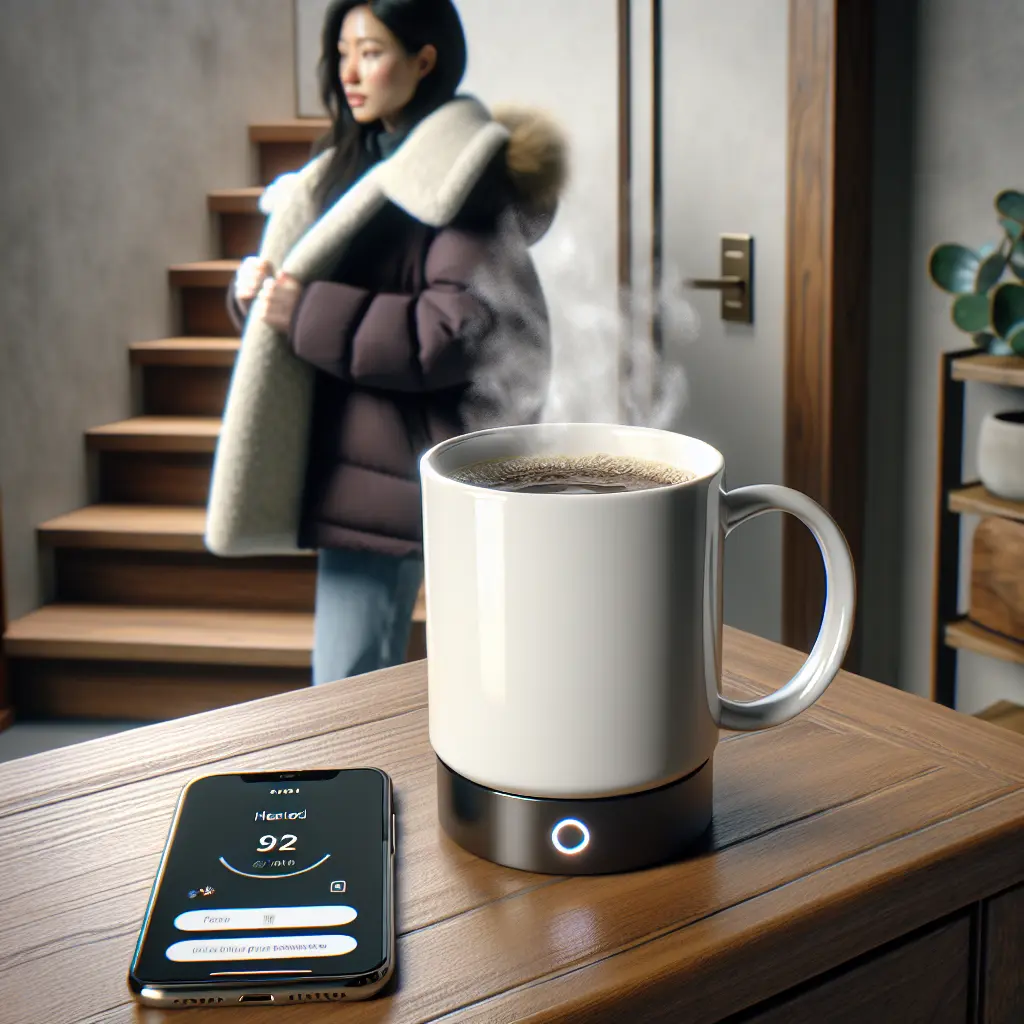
pixel 271 877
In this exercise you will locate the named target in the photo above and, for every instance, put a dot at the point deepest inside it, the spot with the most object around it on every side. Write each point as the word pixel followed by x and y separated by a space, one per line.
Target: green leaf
pixel 1007 309
pixel 1016 341
pixel 1017 258
pixel 1011 204
pixel 1012 228
pixel 984 340
pixel 970 313
pixel 989 272
pixel 953 268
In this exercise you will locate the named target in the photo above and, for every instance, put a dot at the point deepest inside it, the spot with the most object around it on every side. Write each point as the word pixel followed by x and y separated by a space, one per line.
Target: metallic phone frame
pixel 282 993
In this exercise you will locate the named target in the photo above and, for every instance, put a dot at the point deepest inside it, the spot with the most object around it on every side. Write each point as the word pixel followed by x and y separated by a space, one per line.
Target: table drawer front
pixel 922 981
pixel 1003 990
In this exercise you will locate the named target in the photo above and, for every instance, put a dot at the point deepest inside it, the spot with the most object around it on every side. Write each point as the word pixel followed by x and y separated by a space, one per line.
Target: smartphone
pixel 273 888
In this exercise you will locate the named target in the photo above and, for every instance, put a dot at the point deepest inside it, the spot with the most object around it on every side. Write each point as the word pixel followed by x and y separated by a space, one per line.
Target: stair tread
pixel 150 527
pixel 203 273
pixel 224 264
pixel 185 352
pixel 125 633
pixel 193 426
pixel 168 528
pixel 235 200
pixel 157 433
pixel 294 129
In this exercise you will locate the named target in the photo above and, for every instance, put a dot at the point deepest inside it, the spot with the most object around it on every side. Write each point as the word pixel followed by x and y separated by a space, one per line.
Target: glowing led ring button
pixel 575 841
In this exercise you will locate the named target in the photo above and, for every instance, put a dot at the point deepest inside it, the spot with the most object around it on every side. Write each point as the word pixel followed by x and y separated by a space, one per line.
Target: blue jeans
pixel 364 605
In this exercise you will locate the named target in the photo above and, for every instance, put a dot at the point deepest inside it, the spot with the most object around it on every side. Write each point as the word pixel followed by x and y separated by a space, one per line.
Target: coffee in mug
pixel 572 474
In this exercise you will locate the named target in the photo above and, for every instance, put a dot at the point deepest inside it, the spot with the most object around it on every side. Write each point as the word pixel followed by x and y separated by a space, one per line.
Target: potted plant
pixel 988 308
pixel 991 310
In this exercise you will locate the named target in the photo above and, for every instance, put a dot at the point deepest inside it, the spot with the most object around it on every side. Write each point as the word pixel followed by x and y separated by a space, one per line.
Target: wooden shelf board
pixel 217 352
pixel 301 129
pixel 202 636
pixel 967 636
pixel 1006 714
pixel 1005 370
pixel 975 500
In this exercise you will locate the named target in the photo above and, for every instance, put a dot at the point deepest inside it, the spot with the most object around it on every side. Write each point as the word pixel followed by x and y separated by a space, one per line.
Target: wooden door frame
pixel 828 218
pixel 828 260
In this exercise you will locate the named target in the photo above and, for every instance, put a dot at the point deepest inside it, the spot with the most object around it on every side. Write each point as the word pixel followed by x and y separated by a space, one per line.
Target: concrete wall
pixel 967 147
pixel 118 117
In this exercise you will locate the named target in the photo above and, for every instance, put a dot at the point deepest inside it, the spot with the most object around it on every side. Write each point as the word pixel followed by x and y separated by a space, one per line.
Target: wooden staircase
pixel 144 623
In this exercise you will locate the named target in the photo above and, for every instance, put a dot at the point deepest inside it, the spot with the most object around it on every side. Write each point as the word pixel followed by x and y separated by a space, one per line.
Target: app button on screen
pixel 269 947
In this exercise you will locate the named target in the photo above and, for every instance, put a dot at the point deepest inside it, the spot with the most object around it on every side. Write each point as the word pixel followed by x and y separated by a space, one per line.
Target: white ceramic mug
pixel 574 641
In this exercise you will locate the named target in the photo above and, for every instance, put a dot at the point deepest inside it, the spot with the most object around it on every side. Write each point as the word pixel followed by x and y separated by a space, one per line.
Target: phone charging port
pixel 256 999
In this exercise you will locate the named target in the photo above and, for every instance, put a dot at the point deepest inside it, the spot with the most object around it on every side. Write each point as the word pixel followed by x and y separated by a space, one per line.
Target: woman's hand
pixel 277 300
pixel 249 279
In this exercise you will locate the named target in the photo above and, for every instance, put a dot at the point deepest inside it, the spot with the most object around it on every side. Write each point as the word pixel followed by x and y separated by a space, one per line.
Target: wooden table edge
pixel 986 855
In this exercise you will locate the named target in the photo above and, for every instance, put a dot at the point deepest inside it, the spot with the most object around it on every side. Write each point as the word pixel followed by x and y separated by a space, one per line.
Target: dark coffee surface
pixel 572 474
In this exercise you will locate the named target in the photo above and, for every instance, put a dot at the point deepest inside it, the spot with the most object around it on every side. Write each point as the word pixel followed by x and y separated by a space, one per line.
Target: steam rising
pixel 604 367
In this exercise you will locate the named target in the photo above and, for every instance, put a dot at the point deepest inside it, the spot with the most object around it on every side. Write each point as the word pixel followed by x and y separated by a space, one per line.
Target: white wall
pixel 118 118
pixel 968 146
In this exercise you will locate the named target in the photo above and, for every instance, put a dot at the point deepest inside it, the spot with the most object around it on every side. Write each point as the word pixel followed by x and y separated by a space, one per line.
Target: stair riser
pixel 204 313
pixel 182 580
pixel 276 158
pixel 184 390
pixel 240 234
pixel 140 691
pixel 158 478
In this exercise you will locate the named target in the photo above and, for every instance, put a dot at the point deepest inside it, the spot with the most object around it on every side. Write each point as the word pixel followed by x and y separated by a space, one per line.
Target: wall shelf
pixel 967 636
pixel 1008 715
pixel 951 631
pixel 986 369
pixel 975 500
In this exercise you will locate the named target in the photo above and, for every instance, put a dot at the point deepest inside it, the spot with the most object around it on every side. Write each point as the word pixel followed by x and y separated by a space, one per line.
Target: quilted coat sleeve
pixel 420 342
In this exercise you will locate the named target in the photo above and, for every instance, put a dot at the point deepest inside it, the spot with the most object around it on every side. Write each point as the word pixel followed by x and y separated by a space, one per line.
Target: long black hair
pixel 415 24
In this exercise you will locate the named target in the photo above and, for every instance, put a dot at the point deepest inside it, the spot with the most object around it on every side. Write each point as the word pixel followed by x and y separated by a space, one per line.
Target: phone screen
pixel 272 876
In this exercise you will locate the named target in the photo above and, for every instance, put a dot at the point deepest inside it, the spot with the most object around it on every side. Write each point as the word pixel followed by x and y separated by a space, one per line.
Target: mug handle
pixel 829 649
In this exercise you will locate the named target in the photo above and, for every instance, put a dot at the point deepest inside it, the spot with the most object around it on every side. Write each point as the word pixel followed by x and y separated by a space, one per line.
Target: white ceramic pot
pixel 1001 454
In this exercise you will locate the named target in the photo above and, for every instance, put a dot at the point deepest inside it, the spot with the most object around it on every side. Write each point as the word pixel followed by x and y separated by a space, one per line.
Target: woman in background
pixel 412 319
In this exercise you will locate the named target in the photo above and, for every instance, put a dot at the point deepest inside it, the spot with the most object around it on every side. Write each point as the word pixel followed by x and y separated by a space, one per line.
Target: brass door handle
pixel 720 283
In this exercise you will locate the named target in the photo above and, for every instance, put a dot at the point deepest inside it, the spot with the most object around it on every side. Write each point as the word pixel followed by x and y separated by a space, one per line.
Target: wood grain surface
pixel 997 576
pixel 869 818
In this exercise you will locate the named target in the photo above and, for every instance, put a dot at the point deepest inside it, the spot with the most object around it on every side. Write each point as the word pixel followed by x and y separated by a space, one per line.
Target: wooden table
pixel 866 864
